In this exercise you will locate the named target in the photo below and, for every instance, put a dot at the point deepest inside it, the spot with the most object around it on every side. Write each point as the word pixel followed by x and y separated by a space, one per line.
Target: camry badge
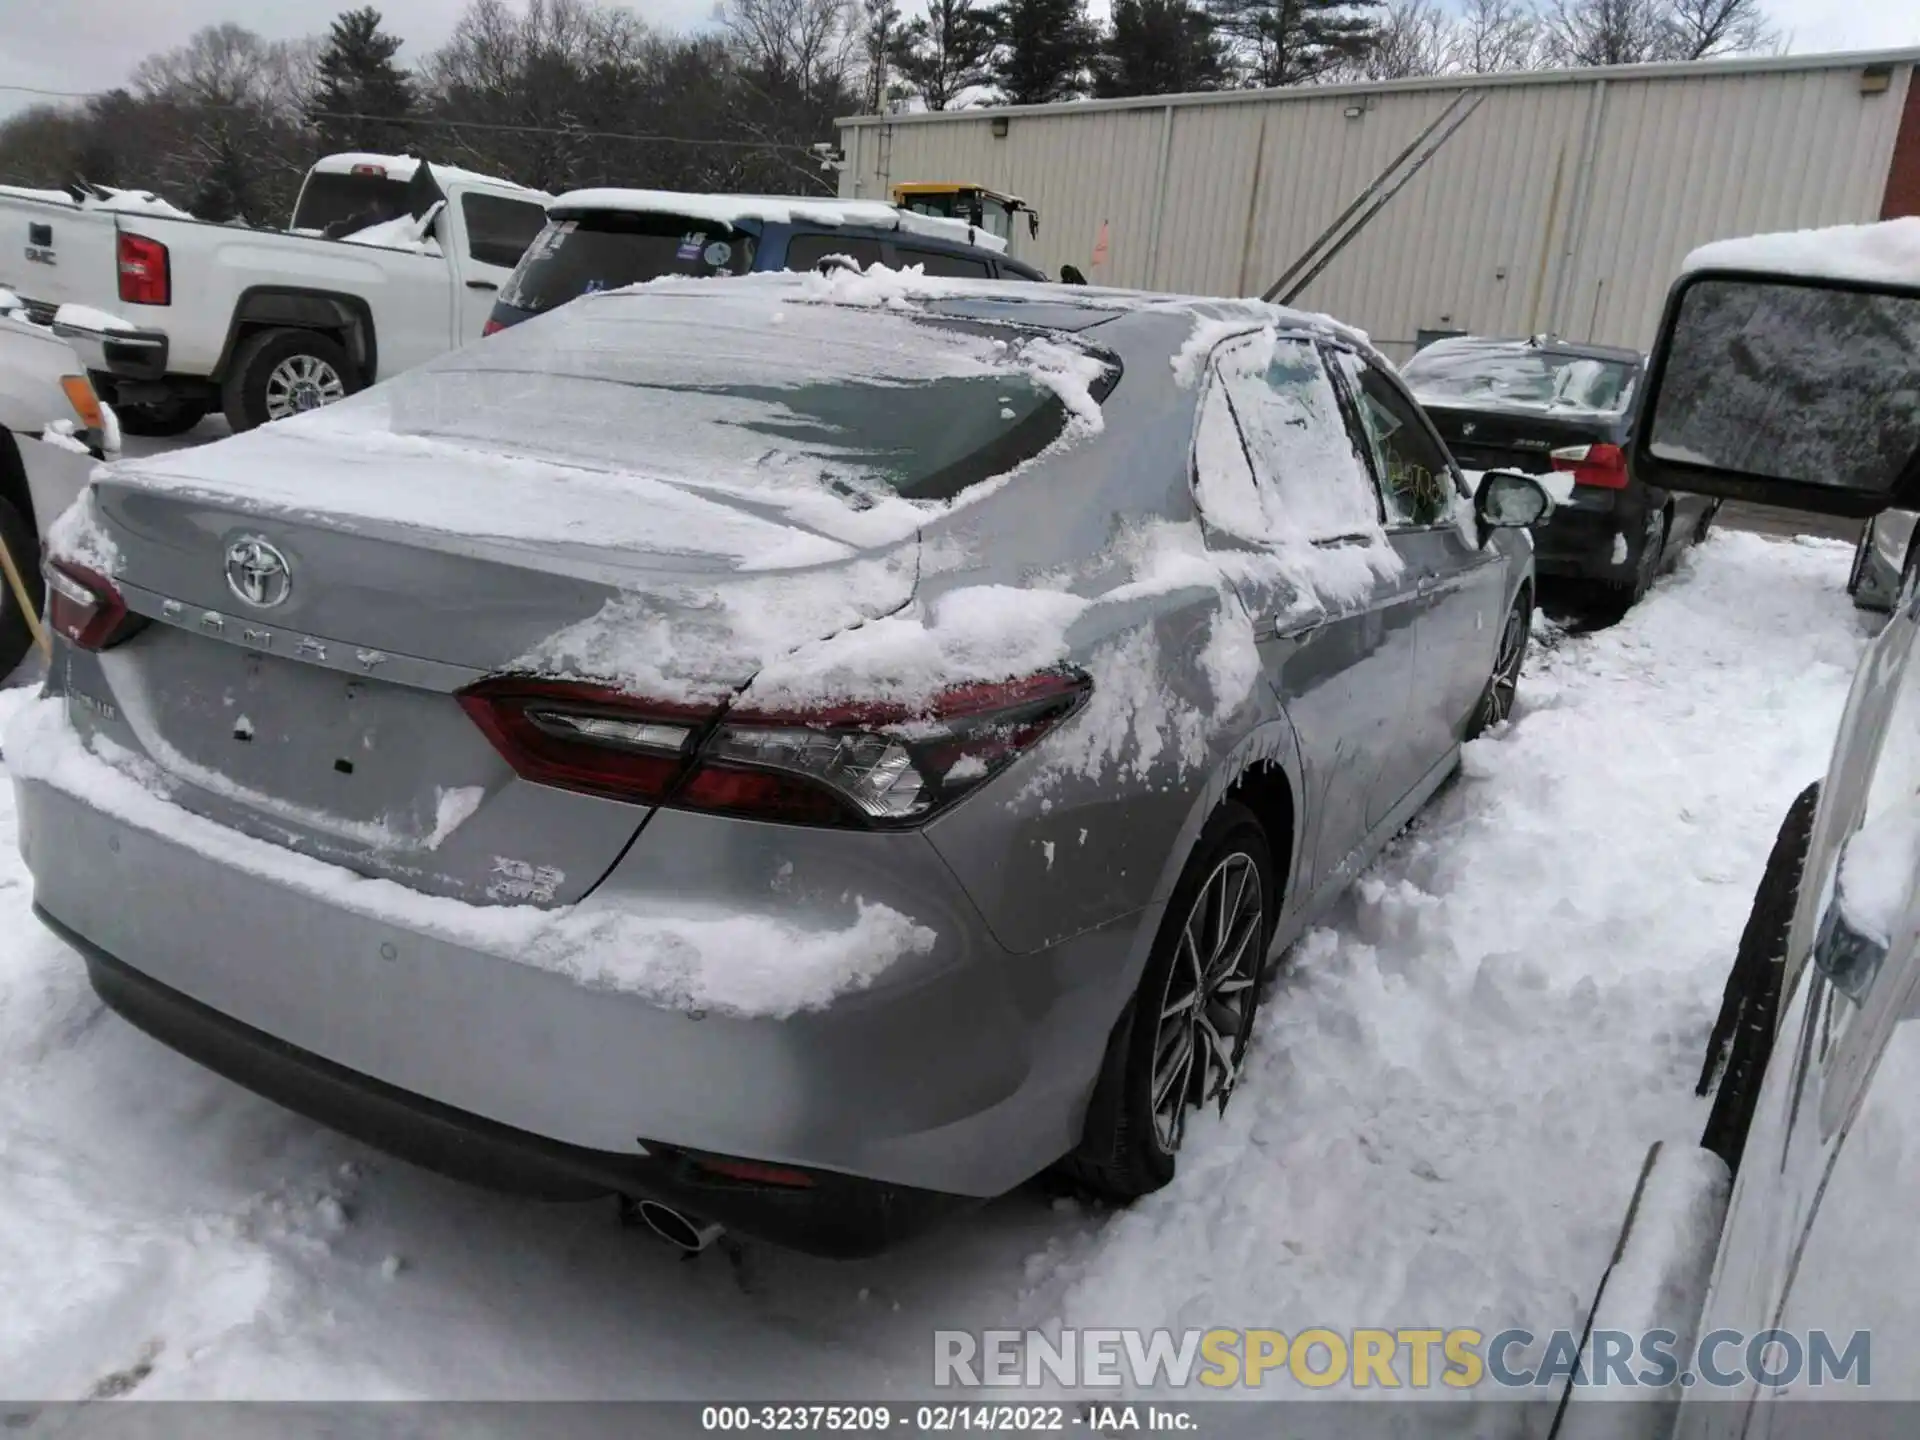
pixel 257 572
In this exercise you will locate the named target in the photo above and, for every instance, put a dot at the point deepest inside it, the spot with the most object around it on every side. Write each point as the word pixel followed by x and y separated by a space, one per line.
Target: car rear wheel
pixel 280 373
pixel 168 417
pixel 1179 1044
pixel 1496 701
pixel 1742 1038
pixel 1646 569
pixel 1703 527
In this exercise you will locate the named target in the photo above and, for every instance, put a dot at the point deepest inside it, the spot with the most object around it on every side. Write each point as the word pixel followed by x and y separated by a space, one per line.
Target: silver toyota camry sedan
pixel 801 753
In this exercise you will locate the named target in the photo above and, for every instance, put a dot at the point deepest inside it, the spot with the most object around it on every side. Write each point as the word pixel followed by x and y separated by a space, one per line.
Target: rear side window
pixel 1416 478
pixel 805 251
pixel 939 262
pixel 499 230
pixel 1313 483
pixel 574 257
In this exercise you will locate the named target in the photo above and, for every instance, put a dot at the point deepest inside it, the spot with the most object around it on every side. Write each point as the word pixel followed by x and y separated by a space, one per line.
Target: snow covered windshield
pixel 756 393
pixel 1515 372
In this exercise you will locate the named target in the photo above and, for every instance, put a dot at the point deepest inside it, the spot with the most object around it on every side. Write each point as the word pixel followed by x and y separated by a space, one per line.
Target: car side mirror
pixel 1508 500
pixel 1790 391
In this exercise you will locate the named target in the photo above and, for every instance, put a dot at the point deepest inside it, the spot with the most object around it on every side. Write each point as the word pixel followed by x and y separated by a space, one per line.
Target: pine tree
pixel 1045 50
pixel 1285 42
pixel 945 52
pixel 358 78
pixel 1159 47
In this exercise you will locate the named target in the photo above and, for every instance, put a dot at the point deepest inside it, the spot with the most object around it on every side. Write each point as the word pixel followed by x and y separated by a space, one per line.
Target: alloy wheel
pixel 300 383
pixel 1209 997
pixel 1506 669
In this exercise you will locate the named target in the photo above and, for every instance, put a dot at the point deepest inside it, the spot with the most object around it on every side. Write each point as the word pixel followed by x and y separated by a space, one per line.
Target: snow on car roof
pixel 402 167
pixel 776 210
pixel 1888 252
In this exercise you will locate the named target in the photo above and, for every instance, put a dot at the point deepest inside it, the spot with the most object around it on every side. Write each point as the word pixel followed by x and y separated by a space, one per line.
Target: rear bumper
pixel 1593 538
pixel 121 354
pixel 961 1071
pixel 838 1216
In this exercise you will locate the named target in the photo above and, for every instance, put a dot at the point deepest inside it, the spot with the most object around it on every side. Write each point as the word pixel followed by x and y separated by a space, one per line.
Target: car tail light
pixel 492 327
pixel 880 765
pixel 85 607
pixel 145 278
pixel 586 737
pixel 876 765
pixel 1601 464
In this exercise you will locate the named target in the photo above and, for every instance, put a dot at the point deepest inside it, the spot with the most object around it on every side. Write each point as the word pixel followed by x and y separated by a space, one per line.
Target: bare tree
pixel 803 45
pixel 1414 38
pixel 1491 36
pixel 1701 29
pixel 1605 32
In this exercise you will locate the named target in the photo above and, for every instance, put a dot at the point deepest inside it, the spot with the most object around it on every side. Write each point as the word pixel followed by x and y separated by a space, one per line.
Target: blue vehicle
pixel 605 239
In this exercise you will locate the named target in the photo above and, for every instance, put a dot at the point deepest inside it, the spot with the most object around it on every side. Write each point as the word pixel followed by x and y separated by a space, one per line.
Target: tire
pixel 1703 527
pixel 1653 546
pixel 1126 1149
pixel 1742 1038
pixel 1503 685
pixel 171 417
pixel 23 544
pixel 1862 548
pixel 282 372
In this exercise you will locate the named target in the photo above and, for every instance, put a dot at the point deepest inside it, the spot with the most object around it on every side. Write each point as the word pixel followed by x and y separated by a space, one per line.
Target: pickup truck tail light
pixel 1602 465
pixel 145 276
pixel 859 765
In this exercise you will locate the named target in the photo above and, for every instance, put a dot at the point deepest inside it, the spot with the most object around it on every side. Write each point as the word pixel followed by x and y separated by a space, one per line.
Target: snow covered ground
pixel 1446 1105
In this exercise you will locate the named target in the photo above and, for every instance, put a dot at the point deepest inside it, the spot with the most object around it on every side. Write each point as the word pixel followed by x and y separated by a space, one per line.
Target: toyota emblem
pixel 257 572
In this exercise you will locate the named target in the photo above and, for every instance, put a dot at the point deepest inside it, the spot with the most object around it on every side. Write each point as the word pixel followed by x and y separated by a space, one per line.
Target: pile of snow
pixel 101 197
pixel 1883 253
pixel 85 317
pixel 404 232
pixel 732 210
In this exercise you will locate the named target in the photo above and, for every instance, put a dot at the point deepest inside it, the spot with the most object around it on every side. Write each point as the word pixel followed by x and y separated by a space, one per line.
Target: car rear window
pixel 328 199
pixel 580 255
pixel 861 404
pixel 1464 372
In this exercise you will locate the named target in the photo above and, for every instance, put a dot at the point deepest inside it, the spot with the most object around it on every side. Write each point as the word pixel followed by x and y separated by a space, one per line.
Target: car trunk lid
pixel 1516 439
pixel 300 679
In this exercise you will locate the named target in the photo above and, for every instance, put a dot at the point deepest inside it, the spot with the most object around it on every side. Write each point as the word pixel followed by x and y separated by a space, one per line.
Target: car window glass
pixel 1416 478
pixel 1312 482
pixel 580 255
pixel 499 230
pixel 808 250
pixel 938 262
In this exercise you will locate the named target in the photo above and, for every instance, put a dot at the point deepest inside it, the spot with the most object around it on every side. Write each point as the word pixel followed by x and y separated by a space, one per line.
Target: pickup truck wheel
pixel 170 417
pixel 278 373
pixel 24 546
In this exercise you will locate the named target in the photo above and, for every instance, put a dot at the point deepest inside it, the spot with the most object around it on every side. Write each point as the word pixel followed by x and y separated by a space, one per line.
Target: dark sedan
pixel 1543 405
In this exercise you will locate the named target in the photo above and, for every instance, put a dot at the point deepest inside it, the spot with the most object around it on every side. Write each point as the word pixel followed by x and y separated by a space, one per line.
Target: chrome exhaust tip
pixel 679 1230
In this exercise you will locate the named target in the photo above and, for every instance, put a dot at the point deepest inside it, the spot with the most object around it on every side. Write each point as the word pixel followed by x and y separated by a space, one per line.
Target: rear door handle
pixel 482 285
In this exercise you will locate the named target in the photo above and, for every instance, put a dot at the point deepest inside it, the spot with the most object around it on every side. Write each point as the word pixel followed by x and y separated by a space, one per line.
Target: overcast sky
pixel 95 44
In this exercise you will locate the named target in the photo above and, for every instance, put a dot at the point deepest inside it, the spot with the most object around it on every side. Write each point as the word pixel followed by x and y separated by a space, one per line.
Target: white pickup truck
pixel 389 262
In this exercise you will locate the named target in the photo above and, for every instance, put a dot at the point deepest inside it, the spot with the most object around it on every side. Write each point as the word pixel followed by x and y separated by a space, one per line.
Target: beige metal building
pixel 1563 204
